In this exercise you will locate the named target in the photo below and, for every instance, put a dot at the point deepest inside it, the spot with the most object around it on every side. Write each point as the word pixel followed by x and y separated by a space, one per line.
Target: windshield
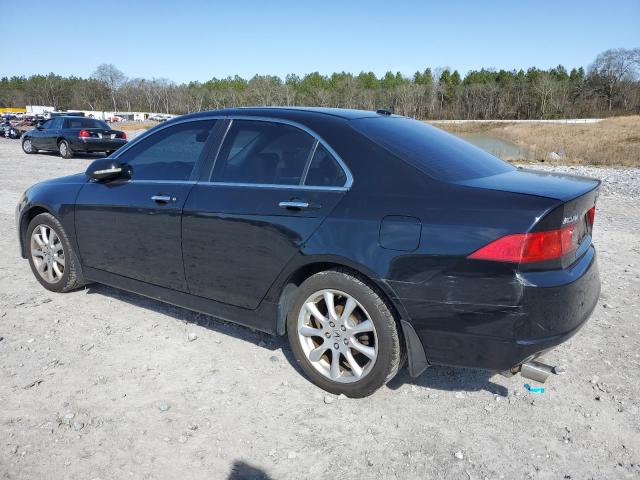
pixel 437 153
pixel 82 122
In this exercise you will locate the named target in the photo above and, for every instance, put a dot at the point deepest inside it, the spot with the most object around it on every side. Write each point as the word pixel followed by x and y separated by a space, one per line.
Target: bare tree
pixel 613 67
pixel 112 78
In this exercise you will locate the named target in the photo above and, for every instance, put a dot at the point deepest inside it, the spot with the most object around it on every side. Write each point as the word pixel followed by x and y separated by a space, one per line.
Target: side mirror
pixel 104 169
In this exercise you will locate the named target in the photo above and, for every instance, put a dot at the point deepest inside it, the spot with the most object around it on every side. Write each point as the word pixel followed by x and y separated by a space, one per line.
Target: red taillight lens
pixel 83 134
pixel 591 215
pixel 123 136
pixel 530 247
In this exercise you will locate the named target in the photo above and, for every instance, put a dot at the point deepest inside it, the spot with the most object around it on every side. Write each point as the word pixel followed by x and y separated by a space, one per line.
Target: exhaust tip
pixel 538 371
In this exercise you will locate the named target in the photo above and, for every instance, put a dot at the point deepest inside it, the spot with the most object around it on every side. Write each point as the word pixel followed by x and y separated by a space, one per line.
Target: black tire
pixel 389 353
pixel 65 149
pixel 29 149
pixel 70 279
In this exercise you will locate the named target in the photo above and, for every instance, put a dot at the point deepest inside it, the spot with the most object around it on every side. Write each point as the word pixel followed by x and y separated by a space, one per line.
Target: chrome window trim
pixel 296 186
pixel 349 177
pixel 305 172
pixel 185 182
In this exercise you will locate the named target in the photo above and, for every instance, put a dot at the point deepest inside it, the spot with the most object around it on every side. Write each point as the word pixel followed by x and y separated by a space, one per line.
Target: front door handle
pixel 294 205
pixel 163 198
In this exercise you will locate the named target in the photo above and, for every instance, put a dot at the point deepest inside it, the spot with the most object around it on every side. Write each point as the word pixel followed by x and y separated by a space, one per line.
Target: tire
pixel 49 274
pixel 27 146
pixel 382 340
pixel 65 149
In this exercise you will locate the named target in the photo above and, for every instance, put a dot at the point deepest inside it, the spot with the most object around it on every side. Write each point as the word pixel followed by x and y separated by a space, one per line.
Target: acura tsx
pixel 367 238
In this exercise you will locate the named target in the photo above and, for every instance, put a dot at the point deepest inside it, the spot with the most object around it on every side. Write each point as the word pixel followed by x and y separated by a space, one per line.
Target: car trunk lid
pixel 532 182
pixel 558 236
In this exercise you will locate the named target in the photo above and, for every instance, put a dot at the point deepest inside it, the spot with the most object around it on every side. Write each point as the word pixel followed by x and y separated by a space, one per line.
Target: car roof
pixel 286 112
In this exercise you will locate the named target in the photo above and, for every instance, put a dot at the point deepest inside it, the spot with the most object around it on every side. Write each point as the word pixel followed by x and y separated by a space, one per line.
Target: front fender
pixel 57 197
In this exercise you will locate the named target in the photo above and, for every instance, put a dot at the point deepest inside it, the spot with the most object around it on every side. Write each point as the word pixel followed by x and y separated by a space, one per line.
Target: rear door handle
pixel 294 205
pixel 163 198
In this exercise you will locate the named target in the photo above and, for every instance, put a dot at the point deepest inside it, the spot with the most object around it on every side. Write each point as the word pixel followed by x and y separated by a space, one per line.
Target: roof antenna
pixel 383 111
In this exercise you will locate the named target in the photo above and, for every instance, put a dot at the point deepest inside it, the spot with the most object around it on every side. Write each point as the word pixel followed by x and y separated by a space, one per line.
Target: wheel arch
pixel 294 278
pixel 411 345
pixel 28 215
pixel 25 219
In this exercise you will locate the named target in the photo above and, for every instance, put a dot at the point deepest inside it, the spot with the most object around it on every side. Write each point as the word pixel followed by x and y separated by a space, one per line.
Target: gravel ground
pixel 102 384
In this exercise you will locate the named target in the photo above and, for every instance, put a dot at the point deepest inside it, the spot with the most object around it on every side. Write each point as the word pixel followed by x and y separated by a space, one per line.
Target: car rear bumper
pixel 509 320
pixel 96 145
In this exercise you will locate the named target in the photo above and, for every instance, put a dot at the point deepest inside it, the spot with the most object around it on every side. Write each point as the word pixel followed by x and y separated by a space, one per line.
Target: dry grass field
pixel 134 126
pixel 612 142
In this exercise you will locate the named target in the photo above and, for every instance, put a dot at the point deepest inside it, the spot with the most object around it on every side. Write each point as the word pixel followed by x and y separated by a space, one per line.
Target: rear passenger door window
pixel 267 153
pixel 169 154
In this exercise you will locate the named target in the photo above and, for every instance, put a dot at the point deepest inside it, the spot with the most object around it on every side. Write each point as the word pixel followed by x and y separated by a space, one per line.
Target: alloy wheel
pixel 28 147
pixel 47 253
pixel 337 336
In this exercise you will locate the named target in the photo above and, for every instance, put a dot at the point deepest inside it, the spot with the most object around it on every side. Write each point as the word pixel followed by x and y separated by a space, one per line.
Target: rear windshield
pixel 82 122
pixel 437 153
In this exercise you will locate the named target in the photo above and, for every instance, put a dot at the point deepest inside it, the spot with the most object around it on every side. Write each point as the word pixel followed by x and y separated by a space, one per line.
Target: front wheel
pixel 50 254
pixel 27 146
pixel 343 334
pixel 65 149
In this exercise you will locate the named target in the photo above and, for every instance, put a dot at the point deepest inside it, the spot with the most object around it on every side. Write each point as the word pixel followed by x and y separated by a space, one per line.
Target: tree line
pixel 609 86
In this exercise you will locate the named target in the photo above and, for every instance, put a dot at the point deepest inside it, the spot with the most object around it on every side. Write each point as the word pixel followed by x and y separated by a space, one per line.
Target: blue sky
pixel 195 40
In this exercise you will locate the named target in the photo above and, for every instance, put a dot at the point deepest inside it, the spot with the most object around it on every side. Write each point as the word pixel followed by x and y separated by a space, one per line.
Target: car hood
pixel 532 182
pixel 74 179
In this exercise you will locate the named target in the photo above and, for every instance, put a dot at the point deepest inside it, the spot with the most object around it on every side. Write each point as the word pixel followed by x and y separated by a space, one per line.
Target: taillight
pixel 123 136
pixel 530 247
pixel 83 134
pixel 591 215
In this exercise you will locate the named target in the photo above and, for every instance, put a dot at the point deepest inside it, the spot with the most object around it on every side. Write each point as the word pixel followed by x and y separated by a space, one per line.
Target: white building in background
pixel 99 114
pixel 108 116
pixel 39 109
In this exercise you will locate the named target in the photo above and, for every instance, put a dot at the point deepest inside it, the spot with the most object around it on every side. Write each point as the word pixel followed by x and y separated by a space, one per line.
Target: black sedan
pixel 68 135
pixel 365 237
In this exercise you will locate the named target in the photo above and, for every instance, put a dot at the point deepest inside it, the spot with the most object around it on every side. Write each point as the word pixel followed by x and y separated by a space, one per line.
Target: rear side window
pixel 324 171
pixel 437 153
pixel 81 122
pixel 169 154
pixel 258 152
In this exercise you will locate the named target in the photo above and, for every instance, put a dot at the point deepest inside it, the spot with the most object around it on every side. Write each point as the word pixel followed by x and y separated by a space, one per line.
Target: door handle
pixel 294 205
pixel 163 198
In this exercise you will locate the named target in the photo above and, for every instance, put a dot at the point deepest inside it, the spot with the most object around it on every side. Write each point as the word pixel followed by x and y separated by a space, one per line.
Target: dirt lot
pixel 102 384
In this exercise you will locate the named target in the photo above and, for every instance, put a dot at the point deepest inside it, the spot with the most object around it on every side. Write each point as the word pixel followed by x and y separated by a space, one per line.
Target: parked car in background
pixel 160 117
pixel 367 238
pixel 9 129
pixel 69 135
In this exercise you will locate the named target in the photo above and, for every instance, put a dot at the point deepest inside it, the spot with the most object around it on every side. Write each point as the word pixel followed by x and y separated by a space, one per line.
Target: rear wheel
pixel 65 149
pixel 51 257
pixel 343 334
pixel 27 146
